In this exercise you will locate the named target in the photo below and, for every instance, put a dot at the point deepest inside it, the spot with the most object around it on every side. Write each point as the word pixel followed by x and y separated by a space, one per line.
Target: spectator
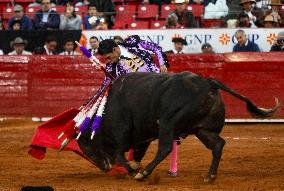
pixel 69 20
pixel 207 48
pixel 276 6
pixel 244 22
pixel 118 39
pixel 15 25
pixel 248 8
pixel 92 13
pixel 179 44
pixel 69 47
pixel 94 43
pixel 19 47
pixel 172 22
pixel 270 22
pixel 46 18
pixel 1 52
pixel 185 17
pixel 25 22
pixel 244 45
pixel 50 45
pixel 105 8
pixel 279 43
pixel 254 15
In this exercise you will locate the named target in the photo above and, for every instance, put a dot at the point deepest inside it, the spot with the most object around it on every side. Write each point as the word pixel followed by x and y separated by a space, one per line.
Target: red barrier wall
pixel 44 86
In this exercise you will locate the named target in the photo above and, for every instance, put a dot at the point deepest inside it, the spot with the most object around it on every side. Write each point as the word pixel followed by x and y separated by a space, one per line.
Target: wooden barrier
pixel 46 85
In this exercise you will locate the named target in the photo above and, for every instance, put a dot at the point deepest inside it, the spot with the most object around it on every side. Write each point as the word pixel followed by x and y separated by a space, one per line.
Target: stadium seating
pixel 133 2
pixel 7 13
pixel 5 24
pixel 147 11
pixel 59 9
pixel 119 25
pixel 4 3
pixel 81 10
pixel 138 25
pixel 125 13
pixel 212 23
pixel 157 24
pixel 166 9
pixel 30 12
pixel 24 3
pixel 197 10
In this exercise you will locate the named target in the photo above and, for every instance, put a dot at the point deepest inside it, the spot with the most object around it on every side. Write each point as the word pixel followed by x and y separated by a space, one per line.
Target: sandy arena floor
pixel 253 159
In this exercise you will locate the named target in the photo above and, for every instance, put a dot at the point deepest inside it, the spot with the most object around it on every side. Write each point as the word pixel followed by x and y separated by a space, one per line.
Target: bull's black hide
pixel 142 107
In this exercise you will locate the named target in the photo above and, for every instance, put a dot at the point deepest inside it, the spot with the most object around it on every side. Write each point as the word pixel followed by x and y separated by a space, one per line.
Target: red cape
pixel 46 136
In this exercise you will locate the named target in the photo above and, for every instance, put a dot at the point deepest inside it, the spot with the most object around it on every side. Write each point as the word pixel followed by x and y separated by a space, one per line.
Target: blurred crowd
pixel 103 14
pixel 50 46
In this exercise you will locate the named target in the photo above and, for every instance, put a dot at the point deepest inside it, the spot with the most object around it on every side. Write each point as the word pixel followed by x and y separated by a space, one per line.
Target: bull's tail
pixel 251 107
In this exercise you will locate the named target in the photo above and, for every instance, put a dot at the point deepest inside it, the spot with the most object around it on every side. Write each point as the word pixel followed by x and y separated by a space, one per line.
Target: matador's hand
pixel 163 69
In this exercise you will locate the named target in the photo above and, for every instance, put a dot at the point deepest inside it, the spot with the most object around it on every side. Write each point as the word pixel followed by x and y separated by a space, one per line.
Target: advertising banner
pixel 222 40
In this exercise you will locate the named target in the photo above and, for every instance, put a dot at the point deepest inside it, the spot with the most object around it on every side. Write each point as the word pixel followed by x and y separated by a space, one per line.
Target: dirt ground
pixel 253 159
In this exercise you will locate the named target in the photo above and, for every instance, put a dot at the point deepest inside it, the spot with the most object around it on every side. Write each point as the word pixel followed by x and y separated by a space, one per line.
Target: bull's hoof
pixel 141 176
pixel 210 178
pixel 132 173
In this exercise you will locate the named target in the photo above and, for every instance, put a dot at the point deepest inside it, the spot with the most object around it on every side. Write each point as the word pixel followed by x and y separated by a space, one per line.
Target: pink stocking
pixel 173 159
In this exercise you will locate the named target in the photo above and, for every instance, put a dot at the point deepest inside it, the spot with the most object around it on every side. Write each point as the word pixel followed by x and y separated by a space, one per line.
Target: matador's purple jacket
pixel 136 57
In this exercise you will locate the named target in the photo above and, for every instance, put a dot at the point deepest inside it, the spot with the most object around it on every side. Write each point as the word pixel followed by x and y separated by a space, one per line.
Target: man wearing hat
pixel 270 22
pixel 254 15
pixel 185 17
pixel 276 6
pixel 26 23
pixel 179 44
pixel 19 45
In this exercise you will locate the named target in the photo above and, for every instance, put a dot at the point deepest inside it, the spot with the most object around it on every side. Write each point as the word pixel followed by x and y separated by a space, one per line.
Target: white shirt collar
pixel 47 51
pixel 72 53
pixel 176 52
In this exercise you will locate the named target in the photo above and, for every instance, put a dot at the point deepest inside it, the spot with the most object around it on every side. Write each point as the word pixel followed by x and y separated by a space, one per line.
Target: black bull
pixel 143 107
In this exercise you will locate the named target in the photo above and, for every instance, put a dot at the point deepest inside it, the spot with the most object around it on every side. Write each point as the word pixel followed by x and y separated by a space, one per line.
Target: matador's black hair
pixel 106 46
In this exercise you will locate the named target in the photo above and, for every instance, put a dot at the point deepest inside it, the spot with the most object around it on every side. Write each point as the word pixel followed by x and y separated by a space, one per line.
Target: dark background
pixel 37 38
